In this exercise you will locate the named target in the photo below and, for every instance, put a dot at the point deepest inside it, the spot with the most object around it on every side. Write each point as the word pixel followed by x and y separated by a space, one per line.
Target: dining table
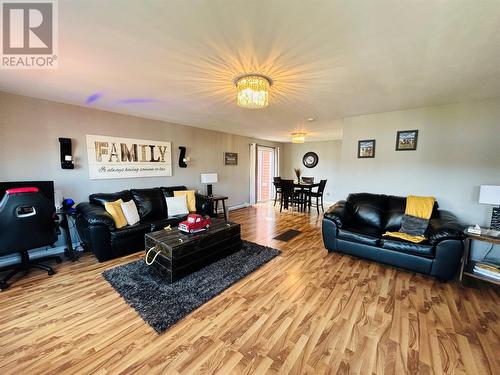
pixel 303 188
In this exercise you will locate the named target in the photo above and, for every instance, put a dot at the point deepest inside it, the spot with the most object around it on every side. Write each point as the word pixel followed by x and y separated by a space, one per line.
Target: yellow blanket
pixel 419 207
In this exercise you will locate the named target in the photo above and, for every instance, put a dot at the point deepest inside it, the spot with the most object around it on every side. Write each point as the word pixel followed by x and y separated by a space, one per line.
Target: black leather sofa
pixel 97 228
pixel 356 226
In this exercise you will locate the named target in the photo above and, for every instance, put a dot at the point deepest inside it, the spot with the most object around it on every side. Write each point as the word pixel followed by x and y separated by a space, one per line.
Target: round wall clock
pixel 310 159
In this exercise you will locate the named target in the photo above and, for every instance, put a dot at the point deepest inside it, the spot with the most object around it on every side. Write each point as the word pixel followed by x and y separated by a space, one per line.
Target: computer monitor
pixel 45 187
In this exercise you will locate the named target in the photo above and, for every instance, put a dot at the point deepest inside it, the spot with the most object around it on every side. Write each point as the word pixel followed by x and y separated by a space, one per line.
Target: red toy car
pixel 195 223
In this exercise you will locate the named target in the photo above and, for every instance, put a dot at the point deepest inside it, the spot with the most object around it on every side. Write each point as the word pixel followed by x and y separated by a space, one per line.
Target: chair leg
pixel 4 282
pixel 44 267
pixel 275 197
pixel 322 207
pixel 317 204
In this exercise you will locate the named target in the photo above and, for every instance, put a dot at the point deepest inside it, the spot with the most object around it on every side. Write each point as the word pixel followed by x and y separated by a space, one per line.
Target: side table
pixel 467 268
pixel 70 252
pixel 222 198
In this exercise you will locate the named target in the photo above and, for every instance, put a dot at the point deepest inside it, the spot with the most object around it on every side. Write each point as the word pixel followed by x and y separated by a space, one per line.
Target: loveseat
pixel 97 228
pixel 357 225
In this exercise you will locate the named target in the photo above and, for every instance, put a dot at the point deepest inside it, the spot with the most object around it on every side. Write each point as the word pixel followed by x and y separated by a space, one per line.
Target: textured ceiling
pixel 175 60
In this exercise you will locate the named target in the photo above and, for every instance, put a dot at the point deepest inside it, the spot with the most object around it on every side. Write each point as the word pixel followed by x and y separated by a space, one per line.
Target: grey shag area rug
pixel 161 305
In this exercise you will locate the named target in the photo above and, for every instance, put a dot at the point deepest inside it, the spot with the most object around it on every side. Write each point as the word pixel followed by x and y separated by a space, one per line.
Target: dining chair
pixel 318 195
pixel 288 195
pixel 308 180
pixel 277 188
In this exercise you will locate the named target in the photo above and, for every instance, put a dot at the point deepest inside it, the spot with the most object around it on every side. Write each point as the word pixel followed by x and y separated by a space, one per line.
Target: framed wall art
pixel 366 149
pixel 406 140
pixel 230 158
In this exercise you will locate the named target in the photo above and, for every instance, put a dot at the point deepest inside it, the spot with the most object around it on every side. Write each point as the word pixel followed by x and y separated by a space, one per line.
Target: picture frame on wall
pixel 230 158
pixel 406 140
pixel 366 149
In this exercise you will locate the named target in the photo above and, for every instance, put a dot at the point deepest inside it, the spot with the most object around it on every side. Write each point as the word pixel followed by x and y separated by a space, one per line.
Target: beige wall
pixel 458 150
pixel 329 153
pixel 29 148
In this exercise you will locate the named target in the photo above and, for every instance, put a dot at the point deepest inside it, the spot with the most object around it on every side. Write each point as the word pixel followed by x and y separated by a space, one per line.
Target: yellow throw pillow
pixel 115 210
pixel 191 198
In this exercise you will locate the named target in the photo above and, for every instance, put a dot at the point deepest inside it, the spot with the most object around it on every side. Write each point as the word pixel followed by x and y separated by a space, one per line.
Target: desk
pixel 216 199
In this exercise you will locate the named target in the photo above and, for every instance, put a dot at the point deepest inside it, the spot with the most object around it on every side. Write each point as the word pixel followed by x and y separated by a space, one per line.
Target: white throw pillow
pixel 130 212
pixel 177 205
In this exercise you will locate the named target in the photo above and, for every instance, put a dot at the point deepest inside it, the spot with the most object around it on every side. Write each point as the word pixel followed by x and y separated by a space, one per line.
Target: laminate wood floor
pixel 304 312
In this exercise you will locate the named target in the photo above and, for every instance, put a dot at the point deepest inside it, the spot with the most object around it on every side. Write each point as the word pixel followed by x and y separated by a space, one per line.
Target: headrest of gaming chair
pixel 22 190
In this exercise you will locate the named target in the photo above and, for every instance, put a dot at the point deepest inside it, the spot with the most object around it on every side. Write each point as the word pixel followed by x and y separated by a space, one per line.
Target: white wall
pixel 458 150
pixel 29 148
pixel 329 153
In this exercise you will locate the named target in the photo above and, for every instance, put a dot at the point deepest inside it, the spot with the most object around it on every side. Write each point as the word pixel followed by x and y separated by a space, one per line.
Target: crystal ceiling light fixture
pixel 298 137
pixel 253 90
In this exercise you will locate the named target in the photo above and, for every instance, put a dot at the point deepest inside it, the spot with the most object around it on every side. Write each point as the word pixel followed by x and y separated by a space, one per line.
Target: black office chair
pixel 318 195
pixel 277 188
pixel 27 221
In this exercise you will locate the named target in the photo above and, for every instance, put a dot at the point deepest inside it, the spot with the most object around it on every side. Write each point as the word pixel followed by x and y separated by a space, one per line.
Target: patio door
pixel 266 170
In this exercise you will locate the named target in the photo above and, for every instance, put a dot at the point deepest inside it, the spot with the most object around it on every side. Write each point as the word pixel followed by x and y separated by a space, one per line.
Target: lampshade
pixel 209 178
pixel 298 137
pixel 253 90
pixel 489 194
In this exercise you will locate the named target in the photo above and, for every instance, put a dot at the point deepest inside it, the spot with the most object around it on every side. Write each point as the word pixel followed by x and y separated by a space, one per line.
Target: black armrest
pixel 204 205
pixel 339 213
pixel 444 226
pixel 95 215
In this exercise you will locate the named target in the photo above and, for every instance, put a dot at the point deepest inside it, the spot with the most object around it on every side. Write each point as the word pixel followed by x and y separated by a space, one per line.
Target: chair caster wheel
pixel 58 260
pixel 51 272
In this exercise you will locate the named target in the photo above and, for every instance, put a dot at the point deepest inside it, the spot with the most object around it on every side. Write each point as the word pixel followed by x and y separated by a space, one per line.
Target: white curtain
pixel 253 173
pixel 277 162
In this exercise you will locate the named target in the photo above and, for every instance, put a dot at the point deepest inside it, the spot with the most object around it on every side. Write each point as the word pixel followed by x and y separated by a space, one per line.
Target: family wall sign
pixel 114 157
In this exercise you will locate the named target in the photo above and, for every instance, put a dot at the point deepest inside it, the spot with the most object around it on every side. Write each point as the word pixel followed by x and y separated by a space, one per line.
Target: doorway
pixel 266 169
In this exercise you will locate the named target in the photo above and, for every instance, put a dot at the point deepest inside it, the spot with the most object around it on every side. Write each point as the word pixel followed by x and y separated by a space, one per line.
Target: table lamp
pixel 490 194
pixel 209 179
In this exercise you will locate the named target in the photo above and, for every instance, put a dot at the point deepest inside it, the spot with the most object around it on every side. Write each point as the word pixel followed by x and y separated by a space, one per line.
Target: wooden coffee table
pixel 180 254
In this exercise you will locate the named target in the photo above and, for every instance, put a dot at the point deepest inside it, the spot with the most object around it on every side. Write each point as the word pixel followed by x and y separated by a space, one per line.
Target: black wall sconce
pixel 183 159
pixel 66 153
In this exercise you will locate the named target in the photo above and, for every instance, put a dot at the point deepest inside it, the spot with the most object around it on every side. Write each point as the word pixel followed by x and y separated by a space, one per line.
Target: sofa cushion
pixel 424 249
pixel 177 206
pixel 169 190
pixel 150 204
pixel 365 235
pixel 129 231
pixel 100 198
pixel 130 212
pixel 368 209
pixel 394 212
pixel 190 198
pixel 414 226
pixel 116 212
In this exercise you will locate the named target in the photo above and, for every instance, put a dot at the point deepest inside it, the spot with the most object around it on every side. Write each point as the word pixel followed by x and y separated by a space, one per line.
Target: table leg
pixel 465 259
pixel 216 208
pixel 226 214
pixel 70 252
